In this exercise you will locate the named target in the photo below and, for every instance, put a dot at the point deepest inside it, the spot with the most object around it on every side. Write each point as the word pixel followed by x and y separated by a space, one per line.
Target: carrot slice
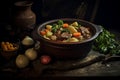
pixel 43 32
pixel 76 34
pixel 46 30
pixel 65 25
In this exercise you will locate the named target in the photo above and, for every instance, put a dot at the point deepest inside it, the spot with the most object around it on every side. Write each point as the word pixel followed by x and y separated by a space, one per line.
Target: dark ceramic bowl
pixel 71 50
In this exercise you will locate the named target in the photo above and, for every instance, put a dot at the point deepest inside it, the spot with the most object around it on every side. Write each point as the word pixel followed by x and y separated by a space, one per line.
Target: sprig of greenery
pixel 106 43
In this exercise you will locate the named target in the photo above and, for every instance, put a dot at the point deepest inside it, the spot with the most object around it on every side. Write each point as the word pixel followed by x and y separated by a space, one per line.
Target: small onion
pixel 22 61
pixel 31 53
pixel 27 41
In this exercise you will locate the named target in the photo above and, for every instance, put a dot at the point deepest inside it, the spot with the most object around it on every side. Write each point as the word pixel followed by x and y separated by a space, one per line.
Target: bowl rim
pixel 68 43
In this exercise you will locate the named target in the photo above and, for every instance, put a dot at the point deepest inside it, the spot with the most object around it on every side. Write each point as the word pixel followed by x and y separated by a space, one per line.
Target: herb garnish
pixel 106 43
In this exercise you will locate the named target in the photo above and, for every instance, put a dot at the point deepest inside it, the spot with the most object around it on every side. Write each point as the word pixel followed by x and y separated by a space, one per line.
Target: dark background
pixel 107 13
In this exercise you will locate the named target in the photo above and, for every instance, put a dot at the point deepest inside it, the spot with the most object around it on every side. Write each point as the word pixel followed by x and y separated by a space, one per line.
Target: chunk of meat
pixel 85 32
pixel 66 35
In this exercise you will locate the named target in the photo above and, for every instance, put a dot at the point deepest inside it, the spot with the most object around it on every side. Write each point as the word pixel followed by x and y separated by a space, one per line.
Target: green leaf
pixel 60 22
pixel 106 43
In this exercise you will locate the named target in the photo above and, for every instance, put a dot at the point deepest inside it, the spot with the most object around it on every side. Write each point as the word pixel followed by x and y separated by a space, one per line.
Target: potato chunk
pixel 72 29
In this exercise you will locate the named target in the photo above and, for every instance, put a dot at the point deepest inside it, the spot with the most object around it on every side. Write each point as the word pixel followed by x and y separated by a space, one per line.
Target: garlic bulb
pixel 27 41
pixel 31 53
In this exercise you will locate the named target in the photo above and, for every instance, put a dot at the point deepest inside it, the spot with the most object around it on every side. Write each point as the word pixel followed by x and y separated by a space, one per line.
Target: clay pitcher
pixel 24 18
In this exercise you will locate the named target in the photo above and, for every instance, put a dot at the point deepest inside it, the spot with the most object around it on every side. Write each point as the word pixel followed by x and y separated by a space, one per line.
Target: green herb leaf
pixel 106 43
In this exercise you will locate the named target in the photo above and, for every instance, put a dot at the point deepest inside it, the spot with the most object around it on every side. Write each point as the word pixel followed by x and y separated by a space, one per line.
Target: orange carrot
pixel 43 32
pixel 65 25
pixel 46 30
pixel 76 34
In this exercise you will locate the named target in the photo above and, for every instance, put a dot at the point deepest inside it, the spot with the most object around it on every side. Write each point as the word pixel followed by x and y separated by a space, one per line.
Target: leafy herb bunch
pixel 106 43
